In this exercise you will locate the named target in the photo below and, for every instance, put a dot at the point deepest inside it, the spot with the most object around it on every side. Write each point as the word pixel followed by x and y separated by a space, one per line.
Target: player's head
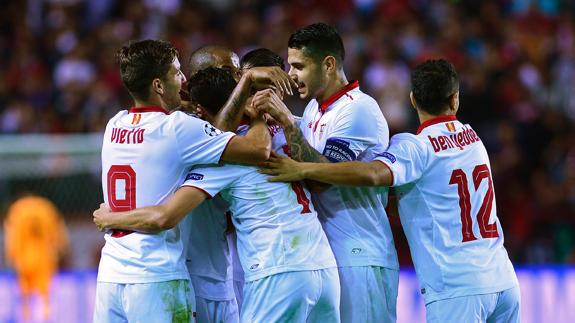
pixel 151 68
pixel 261 57
pixel 210 88
pixel 315 54
pixel 435 87
pixel 215 56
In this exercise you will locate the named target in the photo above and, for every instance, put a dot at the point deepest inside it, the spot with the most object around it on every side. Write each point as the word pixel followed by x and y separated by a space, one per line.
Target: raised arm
pixel 154 218
pixel 268 102
pixel 283 169
pixel 255 78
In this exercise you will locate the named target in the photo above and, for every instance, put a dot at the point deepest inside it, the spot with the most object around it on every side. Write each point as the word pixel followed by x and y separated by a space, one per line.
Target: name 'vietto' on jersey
pixel 145 157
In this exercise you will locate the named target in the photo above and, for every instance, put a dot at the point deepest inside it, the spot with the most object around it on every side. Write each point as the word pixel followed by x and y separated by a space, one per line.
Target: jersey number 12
pixel 459 178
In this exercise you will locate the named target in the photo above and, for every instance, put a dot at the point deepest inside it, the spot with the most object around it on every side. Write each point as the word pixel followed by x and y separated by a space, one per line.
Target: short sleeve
pixel 199 142
pixel 406 157
pixel 211 179
pixel 355 130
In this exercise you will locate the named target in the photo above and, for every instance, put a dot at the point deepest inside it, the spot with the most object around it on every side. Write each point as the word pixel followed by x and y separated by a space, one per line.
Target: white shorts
pixel 368 294
pixel 169 301
pixel 210 311
pixel 296 296
pixel 501 307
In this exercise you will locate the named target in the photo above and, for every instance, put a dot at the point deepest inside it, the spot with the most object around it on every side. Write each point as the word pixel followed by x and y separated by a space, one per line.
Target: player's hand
pixel 271 77
pixel 282 169
pixel 268 102
pixel 251 111
pixel 100 216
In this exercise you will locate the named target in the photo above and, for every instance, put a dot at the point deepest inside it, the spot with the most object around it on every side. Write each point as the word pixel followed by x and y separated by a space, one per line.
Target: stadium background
pixel 516 60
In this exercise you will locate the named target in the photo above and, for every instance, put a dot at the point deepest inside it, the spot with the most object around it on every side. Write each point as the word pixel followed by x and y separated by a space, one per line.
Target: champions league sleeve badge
pixel 211 130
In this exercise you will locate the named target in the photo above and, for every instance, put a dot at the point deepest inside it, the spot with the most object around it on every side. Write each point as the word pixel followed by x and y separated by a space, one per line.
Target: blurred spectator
pixel 35 241
pixel 516 60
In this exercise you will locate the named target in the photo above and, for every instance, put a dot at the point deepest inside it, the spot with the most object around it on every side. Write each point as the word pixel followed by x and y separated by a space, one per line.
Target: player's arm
pixel 354 173
pixel 268 102
pixel 231 113
pixel 154 218
pixel 253 148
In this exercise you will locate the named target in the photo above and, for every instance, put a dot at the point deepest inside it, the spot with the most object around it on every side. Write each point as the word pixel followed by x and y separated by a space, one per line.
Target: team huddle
pixel 222 206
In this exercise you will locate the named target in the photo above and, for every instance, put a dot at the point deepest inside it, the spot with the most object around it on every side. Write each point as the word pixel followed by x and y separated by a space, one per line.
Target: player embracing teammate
pixel 446 201
pixel 442 175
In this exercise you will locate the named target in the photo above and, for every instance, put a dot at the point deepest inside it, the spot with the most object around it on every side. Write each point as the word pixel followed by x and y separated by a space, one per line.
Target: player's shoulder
pixel 119 115
pixel 409 140
pixel 188 123
pixel 358 97
pixel 359 105
pixel 113 120
pixel 183 117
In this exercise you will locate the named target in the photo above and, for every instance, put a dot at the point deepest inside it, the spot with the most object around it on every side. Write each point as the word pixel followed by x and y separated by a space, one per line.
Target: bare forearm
pixel 231 113
pixel 148 220
pixel 259 134
pixel 260 141
pixel 348 173
pixel 300 149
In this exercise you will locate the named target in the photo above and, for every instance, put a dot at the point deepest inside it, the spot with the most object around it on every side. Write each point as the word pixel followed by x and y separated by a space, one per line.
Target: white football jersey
pixel 208 256
pixel 447 208
pixel 145 157
pixel 350 126
pixel 276 225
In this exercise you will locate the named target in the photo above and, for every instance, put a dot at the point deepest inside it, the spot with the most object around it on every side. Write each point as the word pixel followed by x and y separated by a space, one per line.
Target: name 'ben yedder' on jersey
pixel 447 208
pixel 145 156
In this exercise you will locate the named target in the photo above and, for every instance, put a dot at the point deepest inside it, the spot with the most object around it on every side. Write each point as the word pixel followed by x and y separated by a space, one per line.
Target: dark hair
pixel 143 61
pixel 211 88
pixel 261 57
pixel 318 41
pixel 433 83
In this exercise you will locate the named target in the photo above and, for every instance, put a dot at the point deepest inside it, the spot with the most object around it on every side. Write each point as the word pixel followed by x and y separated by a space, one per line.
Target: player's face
pixel 307 73
pixel 229 61
pixel 173 84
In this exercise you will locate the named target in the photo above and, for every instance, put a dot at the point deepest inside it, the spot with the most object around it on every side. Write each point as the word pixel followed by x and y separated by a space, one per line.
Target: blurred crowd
pixel 515 58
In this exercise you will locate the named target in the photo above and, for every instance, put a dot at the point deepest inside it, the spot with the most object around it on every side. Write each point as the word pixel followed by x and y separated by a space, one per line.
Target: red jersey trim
pixel 334 97
pixel 152 108
pixel 199 189
pixel 435 120
pixel 390 171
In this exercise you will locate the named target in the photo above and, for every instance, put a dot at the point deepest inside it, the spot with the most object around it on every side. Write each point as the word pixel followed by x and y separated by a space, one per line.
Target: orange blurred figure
pixel 35 239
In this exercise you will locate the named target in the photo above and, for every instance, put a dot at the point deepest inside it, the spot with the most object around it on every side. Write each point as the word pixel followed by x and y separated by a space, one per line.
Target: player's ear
pixel 413 102
pixel 158 86
pixel 454 102
pixel 330 64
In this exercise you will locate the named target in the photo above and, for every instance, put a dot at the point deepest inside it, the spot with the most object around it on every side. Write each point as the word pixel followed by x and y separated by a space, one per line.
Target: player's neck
pixel 424 116
pixel 336 83
pixel 152 101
